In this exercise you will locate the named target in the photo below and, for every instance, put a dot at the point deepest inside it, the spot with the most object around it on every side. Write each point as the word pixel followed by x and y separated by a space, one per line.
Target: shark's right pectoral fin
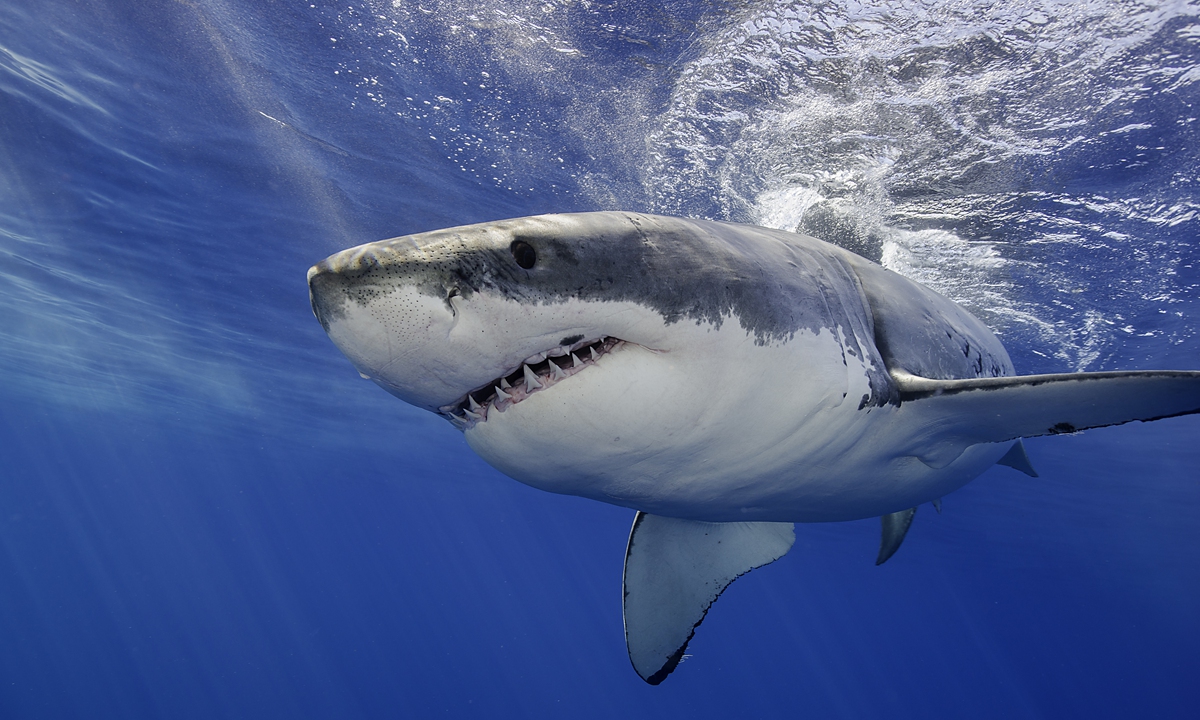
pixel 980 410
pixel 675 570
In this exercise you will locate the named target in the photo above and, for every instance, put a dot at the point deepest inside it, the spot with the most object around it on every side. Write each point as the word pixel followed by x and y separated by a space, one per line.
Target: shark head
pixel 443 319
pixel 601 354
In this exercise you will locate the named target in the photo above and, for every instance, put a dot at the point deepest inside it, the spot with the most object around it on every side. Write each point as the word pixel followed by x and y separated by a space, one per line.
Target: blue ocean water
pixel 204 512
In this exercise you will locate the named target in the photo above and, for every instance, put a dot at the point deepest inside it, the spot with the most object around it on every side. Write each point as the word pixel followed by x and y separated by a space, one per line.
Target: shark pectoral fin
pixel 895 527
pixel 1017 459
pixel 998 409
pixel 675 570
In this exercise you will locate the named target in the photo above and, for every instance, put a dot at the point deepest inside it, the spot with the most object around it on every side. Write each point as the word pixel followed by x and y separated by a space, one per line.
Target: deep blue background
pixel 205 513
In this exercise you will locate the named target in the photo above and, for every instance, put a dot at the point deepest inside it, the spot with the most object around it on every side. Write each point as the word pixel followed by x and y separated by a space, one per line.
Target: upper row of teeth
pixel 564 350
pixel 474 411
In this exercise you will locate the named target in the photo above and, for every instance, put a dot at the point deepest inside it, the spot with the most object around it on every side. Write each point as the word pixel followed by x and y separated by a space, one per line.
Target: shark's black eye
pixel 523 253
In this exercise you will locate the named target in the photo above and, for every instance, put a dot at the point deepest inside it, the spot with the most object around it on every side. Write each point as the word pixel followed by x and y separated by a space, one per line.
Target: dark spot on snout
pixel 523 253
pixel 570 340
pixel 1062 428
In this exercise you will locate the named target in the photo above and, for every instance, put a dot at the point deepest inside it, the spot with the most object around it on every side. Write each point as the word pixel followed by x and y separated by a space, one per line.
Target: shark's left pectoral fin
pixel 675 570
pixel 998 409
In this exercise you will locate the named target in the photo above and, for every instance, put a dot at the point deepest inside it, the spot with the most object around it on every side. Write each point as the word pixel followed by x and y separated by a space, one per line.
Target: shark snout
pixel 389 325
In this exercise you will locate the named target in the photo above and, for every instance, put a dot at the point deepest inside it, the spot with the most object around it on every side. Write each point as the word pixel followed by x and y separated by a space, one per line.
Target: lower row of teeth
pixel 505 393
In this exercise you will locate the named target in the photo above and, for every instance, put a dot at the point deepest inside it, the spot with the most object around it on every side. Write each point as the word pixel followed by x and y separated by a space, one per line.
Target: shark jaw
pixel 534 374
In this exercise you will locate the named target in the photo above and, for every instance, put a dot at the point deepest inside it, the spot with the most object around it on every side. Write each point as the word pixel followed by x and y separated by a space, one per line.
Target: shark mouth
pixel 535 374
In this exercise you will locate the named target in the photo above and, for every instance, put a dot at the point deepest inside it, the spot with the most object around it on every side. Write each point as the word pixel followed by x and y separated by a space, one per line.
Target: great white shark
pixel 724 381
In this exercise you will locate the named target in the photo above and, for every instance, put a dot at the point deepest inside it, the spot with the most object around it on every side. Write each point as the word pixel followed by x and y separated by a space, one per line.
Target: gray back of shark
pixel 760 374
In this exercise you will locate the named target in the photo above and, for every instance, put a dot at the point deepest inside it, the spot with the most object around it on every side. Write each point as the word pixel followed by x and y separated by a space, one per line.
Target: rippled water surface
pixel 204 512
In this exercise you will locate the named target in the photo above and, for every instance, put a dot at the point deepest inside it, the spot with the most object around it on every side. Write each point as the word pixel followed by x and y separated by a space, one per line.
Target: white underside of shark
pixel 724 381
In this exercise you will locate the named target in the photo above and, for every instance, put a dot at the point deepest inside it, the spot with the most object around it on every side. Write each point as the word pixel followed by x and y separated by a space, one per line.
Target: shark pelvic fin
pixel 675 570
pixel 895 527
pixel 1017 459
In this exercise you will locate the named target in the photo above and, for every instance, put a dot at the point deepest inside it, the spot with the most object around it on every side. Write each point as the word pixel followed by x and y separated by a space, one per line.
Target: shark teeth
pixel 535 374
pixel 531 381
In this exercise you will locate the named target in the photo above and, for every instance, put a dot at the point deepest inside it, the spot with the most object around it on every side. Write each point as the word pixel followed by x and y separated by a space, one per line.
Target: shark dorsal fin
pixel 674 571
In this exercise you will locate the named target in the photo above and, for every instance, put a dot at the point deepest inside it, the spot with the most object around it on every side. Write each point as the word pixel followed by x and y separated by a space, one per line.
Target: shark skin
pixel 703 373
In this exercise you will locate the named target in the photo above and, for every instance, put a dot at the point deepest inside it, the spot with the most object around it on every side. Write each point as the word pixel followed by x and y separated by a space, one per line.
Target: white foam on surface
pixel 939 135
